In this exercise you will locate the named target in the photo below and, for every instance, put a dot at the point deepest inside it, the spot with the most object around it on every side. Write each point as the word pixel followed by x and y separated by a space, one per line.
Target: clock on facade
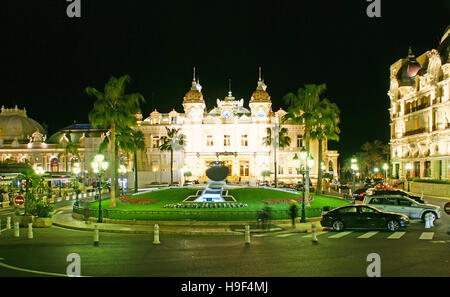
pixel 193 114
pixel 226 114
pixel 261 113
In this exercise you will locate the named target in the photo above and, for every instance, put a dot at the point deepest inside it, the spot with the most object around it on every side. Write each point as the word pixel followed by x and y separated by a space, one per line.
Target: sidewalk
pixel 63 218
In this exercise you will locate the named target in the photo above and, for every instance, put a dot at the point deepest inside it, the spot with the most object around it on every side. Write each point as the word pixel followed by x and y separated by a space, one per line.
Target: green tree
pixel 172 142
pixel 70 148
pixel 326 128
pixel 282 141
pixel 304 108
pixel 115 110
pixel 375 154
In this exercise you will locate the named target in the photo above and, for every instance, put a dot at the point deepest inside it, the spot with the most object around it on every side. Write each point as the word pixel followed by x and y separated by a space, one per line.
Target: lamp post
pixel 354 169
pixel 309 162
pixel 376 171
pixel 385 167
pixel 99 166
pixel 39 171
pixel 408 167
pixel 76 170
pixel 122 171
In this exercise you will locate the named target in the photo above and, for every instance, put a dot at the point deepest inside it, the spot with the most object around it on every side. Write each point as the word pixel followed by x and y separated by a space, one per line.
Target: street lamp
pixel 122 171
pixel 376 170
pixel 39 171
pixel 309 162
pixel 99 166
pixel 385 167
pixel 354 168
pixel 76 170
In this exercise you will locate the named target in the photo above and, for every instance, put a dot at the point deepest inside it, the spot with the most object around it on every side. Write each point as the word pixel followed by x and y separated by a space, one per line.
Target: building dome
pixel 194 95
pixel 408 71
pixel 260 94
pixel 14 124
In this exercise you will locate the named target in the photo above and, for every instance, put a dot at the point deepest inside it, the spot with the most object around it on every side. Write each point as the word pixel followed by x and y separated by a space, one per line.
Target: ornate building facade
pixel 420 113
pixel 229 132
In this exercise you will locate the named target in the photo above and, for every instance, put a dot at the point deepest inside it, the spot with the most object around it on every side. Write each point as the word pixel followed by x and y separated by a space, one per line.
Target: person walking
pixel 293 211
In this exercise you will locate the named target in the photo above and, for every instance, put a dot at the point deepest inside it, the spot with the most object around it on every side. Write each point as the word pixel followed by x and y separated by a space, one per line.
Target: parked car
pixel 363 216
pixel 358 195
pixel 404 205
pixel 395 192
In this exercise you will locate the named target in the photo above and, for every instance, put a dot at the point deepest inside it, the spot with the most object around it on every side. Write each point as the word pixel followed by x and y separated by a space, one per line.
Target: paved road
pixel 417 252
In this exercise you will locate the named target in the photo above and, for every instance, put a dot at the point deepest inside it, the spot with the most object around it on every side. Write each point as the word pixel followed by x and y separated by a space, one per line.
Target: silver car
pixel 403 205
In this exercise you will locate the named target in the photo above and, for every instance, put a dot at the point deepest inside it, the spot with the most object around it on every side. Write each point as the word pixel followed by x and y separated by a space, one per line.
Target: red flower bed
pixel 128 199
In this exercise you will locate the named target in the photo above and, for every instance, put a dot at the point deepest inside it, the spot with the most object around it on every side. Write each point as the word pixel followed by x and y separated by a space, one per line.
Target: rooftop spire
pixel 230 94
pixel 410 53
pixel 259 73
pixel 194 75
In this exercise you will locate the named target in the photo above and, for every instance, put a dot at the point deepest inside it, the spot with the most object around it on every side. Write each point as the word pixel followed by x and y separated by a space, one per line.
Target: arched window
pixel 330 166
pixel 54 164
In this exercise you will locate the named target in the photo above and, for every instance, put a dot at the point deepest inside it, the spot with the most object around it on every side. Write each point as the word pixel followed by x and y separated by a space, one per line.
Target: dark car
pixel 398 192
pixel 358 195
pixel 362 216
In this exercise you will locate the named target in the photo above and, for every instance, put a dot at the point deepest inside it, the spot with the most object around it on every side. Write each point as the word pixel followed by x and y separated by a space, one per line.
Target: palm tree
pixel 326 128
pixel 70 148
pixel 173 141
pixel 114 109
pixel 282 141
pixel 303 110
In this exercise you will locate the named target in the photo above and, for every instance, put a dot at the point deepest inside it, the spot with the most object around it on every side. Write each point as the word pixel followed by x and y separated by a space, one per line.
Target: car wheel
pixel 393 225
pixel 338 226
pixel 433 218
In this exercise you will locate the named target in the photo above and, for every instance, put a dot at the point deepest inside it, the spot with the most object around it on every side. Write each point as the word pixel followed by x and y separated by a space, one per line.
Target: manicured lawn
pixel 252 196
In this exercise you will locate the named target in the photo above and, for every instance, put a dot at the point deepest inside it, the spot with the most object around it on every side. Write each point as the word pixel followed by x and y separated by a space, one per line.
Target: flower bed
pixel 131 200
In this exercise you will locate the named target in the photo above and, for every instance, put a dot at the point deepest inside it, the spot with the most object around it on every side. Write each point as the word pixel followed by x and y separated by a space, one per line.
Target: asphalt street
pixel 417 252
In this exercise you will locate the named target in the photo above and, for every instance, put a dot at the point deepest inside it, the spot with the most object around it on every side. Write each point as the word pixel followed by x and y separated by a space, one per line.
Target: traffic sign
pixel 19 200
pixel 447 208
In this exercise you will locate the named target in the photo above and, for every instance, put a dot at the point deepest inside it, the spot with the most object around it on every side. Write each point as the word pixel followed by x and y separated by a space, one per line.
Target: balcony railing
pixel 417 131
pixel 416 108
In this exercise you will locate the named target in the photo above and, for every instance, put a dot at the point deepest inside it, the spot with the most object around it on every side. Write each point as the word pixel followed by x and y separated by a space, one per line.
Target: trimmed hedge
pixel 429 181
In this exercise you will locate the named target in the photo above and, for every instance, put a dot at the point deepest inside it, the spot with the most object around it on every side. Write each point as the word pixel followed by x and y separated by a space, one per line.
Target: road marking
pixel 427 235
pixel 260 235
pixel 285 235
pixel 341 234
pixel 396 235
pixel 29 270
pixel 369 234
pixel 318 233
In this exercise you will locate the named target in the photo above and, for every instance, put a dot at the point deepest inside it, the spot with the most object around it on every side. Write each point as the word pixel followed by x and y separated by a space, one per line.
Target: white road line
pixel 260 235
pixel 340 234
pixel 285 235
pixel 318 233
pixel 396 235
pixel 29 270
pixel 369 234
pixel 427 235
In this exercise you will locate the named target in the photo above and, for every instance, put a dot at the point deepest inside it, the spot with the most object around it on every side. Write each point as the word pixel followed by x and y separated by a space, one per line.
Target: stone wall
pixel 430 189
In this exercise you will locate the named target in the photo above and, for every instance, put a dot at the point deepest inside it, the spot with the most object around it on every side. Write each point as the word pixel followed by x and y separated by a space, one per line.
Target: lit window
pixel 226 140
pixel 244 168
pixel 209 140
pixel 155 142
pixel 244 140
pixel 299 141
pixel 173 120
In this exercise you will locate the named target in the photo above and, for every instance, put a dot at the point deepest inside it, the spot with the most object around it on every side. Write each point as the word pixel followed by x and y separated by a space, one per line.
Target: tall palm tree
pixel 172 142
pixel 132 141
pixel 70 148
pixel 325 128
pixel 114 109
pixel 282 141
pixel 303 110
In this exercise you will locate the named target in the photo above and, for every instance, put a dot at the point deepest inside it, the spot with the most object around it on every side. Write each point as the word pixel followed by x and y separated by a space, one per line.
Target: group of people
pixel 264 215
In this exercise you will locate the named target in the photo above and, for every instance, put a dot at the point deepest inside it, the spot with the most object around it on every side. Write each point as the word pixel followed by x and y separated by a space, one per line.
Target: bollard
pixel 30 230
pixel 431 221
pixel 427 221
pixel 247 234
pixel 96 235
pixel 16 229
pixel 156 235
pixel 8 223
pixel 314 233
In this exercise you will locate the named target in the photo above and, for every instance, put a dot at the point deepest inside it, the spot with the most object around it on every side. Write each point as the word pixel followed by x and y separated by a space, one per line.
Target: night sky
pixel 47 59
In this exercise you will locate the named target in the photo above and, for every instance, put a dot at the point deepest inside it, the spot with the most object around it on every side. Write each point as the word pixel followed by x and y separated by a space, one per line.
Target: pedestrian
pixel 293 211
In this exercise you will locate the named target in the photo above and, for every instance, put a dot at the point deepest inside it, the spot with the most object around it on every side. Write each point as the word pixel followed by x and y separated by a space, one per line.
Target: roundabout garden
pixel 170 205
